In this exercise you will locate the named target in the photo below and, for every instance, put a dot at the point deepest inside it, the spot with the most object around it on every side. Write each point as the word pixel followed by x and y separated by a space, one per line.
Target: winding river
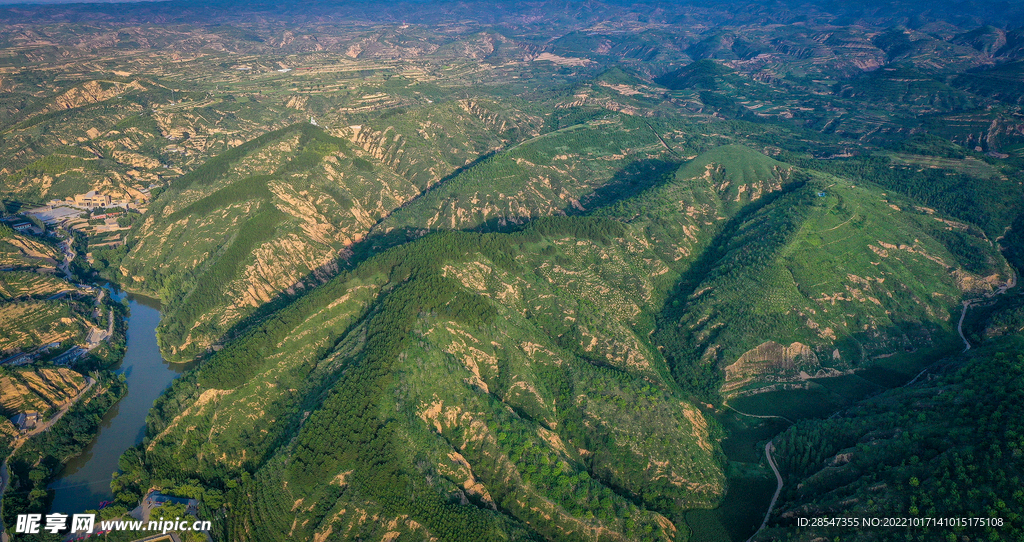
pixel 85 481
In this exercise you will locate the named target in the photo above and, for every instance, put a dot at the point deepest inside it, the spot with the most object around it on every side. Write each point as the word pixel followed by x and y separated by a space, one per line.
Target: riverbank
pixel 85 480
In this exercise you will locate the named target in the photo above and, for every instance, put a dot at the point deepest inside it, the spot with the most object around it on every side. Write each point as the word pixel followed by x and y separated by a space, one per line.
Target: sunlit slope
pixel 503 371
pixel 554 173
pixel 507 371
pixel 29 316
pixel 534 384
pixel 271 216
pixel 268 217
pixel 32 315
pixel 116 135
pixel 21 252
pixel 825 278
pixel 41 390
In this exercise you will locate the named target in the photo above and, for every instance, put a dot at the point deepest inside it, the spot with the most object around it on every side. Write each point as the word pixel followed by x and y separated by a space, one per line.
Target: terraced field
pixel 31 324
pixel 19 251
pixel 42 390
pixel 15 285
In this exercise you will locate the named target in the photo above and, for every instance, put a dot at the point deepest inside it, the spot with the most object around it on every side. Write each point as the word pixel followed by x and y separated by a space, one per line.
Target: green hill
pixel 270 216
pixel 20 252
pixel 703 74
pixel 433 370
pixel 902 83
pixel 519 373
pixel 273 216
pixel 826 277
pixel 1002 82
pixel 553 173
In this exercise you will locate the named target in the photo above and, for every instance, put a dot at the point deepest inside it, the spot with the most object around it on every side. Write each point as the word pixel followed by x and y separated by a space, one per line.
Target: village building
pixel 92 199
pixel 17 359
pixel 156 499
pixel 26 421
pixel 70 356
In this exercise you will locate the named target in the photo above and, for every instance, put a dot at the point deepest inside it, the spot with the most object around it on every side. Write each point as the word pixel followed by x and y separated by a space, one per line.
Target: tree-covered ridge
pixel 511 413
pixel 828 276
pixel 509 381
pixel 840 275
pixel 271 217
pixel 556 172
pixel 267 218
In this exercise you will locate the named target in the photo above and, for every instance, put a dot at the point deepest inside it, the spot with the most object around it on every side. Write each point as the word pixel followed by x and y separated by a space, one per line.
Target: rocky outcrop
pixel 770 361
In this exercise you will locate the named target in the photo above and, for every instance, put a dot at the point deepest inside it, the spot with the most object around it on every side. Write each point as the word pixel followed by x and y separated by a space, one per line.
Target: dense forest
pixel 947 447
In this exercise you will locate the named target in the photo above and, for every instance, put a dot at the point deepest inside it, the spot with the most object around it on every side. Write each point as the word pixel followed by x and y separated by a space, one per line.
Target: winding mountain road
pixel 1011 282
pixel 768 449
pixel 960 327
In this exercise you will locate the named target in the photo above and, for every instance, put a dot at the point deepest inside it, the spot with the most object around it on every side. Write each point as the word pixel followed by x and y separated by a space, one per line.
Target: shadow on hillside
pixel 685 362
pixel 627 182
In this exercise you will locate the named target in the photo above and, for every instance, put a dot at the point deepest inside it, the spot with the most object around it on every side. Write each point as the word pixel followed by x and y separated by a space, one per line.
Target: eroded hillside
pixel 519 371
pixel 42 390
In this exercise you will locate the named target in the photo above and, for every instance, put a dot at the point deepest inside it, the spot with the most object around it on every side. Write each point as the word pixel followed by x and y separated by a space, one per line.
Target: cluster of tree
pixel 210 286
pixel 219 166
pixel 347 431
pixel 736 261
pixel 53 165
pixel 254 188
